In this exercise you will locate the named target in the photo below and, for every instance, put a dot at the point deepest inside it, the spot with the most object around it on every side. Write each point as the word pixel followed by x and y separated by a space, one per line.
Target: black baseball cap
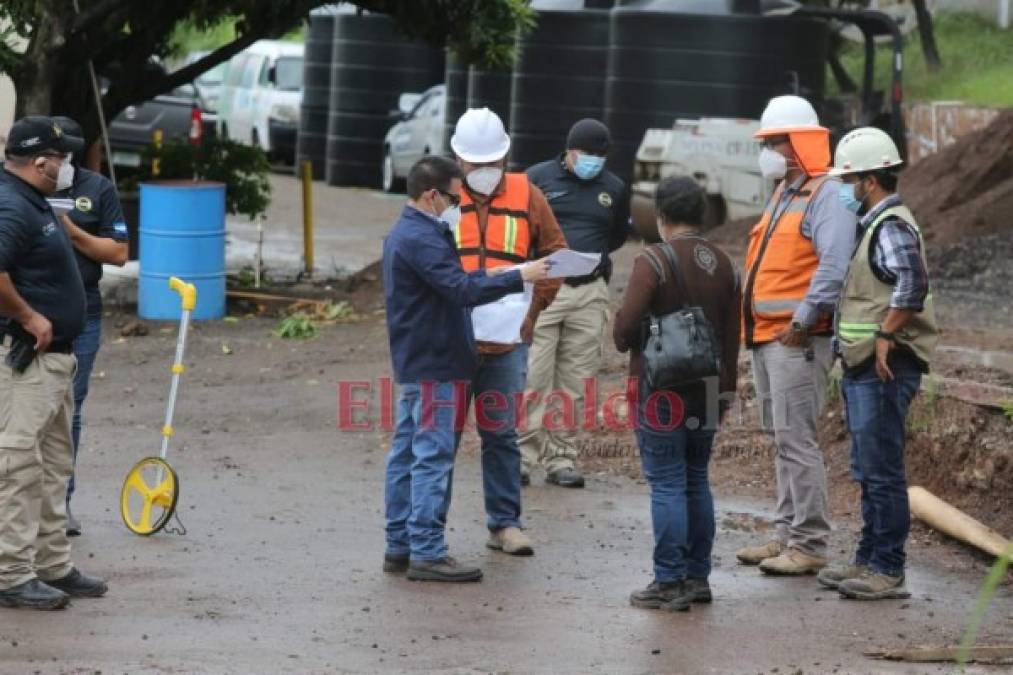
pixel 36 134
pixel 589 135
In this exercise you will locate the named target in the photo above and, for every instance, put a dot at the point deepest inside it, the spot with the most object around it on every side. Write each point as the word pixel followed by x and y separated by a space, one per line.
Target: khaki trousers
pixel 36 461
pixel 564 354
pixel 791 389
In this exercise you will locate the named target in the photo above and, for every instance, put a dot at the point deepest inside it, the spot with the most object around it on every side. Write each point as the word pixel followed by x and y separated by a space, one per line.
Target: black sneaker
pixel 395 563
pixel 568 477
pixel 444 569
pixel 34 594
pixel 525 479
pixel 79 585
pixel 699 590
pixel 670 595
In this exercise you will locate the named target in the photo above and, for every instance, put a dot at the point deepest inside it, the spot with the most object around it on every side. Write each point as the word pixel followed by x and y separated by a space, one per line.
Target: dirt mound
pixel 966 189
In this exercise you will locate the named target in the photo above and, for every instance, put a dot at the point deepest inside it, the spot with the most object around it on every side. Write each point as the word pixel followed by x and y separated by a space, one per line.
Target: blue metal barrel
pixel 183 235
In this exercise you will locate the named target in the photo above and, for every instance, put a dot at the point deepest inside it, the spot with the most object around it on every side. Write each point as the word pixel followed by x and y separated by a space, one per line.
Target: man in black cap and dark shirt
pixel 98 233
pixel 592 207
pixel 42 309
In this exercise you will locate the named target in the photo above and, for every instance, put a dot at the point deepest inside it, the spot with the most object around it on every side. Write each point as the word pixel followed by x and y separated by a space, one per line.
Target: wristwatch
pixel 885 335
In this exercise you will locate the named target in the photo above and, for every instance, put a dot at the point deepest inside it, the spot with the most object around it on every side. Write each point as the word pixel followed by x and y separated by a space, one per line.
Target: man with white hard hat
pixel 795 265
pixel 886 335
pixel 505 221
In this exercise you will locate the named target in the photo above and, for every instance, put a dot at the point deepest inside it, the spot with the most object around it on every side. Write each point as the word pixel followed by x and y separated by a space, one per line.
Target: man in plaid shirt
pixel 886 334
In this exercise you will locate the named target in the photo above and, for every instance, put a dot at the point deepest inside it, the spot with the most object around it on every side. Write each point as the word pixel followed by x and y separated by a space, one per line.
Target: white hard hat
pixel 865 149
pixel 785 114
pixel 480 137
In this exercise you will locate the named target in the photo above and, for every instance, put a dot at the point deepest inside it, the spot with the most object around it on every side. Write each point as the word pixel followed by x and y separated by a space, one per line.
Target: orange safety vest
pixel 780 265
pixel 506 238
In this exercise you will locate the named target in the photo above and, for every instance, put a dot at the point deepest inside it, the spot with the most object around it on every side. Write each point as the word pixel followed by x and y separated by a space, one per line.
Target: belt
pixel 7 340
pixel 584 280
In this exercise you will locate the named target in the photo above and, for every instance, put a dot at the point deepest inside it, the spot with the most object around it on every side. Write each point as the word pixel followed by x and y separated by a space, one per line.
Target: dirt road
pixel 279 571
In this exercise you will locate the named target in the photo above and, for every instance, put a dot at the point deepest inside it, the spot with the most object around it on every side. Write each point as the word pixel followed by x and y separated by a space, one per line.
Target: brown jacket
pixel 546 237
pixel 712 283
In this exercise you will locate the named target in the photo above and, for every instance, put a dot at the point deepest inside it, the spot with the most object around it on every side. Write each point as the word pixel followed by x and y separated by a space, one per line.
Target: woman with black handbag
pixel 680 322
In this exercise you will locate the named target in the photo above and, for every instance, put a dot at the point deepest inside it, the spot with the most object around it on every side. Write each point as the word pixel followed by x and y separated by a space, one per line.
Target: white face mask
pixel 772 164
pixel 485 180
pixel 65 178
pixel 451 216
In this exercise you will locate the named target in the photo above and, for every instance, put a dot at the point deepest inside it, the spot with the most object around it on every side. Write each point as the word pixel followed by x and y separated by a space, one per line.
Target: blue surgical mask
pixel 846 193
pixel 587 167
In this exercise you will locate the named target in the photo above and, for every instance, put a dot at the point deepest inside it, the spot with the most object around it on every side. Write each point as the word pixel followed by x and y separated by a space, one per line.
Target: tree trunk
pixel 927 35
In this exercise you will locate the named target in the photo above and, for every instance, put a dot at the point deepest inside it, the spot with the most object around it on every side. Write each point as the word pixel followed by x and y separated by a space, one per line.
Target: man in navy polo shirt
pixel 432 345
pixel 42 309
pixel 98 233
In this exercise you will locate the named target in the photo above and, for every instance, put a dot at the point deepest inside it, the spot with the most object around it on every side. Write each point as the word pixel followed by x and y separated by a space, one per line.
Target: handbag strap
pixel 680 282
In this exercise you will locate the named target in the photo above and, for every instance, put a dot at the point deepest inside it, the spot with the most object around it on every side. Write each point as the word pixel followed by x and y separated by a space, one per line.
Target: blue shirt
pixel 36 252
pixel 428 297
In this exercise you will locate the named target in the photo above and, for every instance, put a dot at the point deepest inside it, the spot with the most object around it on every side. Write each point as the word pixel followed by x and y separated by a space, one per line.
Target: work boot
pixel 444 569
pixel 77 584
pixel 873 585
pixel 669 595
pixel 73 526
pixel 568 477
pixel 793 562
pixel 510 540
pixel 525 478
pixel 699 590
pixel 396 563
pixel 34 594
pixel 754 555
pixel 831 577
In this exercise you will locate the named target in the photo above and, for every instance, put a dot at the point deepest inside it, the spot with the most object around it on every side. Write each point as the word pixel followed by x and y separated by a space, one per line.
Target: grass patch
pixel 976 57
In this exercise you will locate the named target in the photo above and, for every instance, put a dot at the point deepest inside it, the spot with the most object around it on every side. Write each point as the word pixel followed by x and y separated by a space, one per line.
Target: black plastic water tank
pixel 456 81
pixel 316 98
pixel 372 64
pixel 693 58
pixel 490 89
pixel 559 78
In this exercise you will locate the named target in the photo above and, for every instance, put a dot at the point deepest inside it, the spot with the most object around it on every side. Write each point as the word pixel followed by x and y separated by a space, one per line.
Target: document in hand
pixel 500 321
pixel 61 206
pixel 567 263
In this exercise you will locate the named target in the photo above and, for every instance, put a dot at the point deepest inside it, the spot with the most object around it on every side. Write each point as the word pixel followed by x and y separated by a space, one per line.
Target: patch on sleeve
pixel 120 229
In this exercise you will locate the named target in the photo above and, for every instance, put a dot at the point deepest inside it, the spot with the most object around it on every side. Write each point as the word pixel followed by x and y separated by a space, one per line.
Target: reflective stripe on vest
pixel 780 264
pixel 506 238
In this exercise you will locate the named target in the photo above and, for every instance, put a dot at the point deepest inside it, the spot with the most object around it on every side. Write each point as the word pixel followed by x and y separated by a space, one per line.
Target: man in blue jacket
pixel 428 299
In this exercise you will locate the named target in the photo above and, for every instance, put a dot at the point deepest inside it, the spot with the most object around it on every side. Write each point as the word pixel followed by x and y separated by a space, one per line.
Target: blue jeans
pixel 876 413
pixel 420 468
pixel 682 508
pixel 86 347
pixel 496 387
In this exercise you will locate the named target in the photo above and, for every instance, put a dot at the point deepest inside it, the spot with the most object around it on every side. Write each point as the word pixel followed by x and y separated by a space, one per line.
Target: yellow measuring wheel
pixel 151 489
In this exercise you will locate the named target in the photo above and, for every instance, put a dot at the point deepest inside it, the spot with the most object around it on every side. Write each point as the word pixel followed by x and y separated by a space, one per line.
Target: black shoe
pixel 699 589
pixel 568 477
pixel 670 595
pixel 444 569
pixel 73 526
pixel 79 585
pixel 395 563
pixel 525 479
pixel 34 594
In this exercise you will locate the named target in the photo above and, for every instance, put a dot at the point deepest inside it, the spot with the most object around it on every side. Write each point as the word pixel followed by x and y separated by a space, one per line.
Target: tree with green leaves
pixel 45 45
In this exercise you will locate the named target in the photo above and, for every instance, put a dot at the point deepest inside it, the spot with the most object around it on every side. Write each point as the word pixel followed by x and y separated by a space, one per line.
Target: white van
pixel 261 95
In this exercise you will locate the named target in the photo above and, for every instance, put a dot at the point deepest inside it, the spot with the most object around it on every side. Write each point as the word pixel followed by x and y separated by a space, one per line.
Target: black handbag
pixel 680 347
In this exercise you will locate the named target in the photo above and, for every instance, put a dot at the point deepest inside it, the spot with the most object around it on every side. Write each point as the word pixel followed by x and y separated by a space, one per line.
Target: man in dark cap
pixel 98 233
pixel 42 310
pixel 592 207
